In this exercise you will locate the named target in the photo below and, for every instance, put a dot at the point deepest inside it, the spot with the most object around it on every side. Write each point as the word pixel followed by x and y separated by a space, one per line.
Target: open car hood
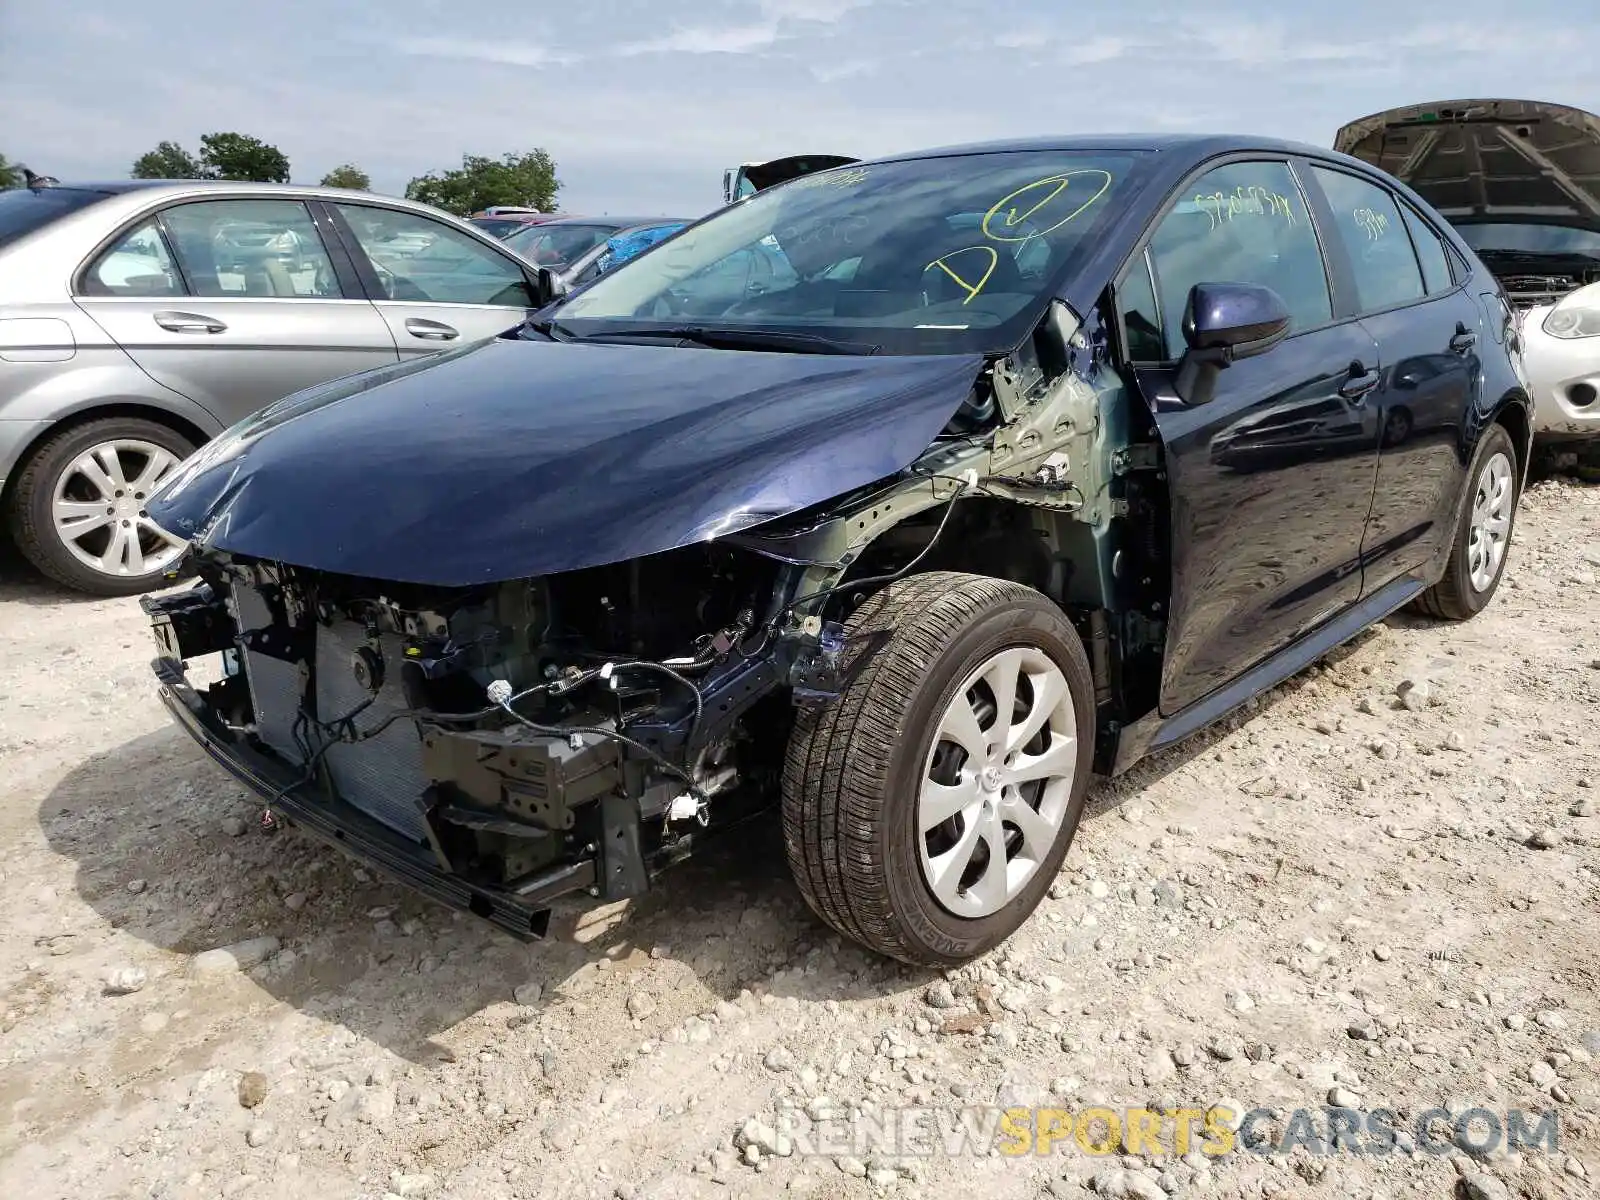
pixel 1489 160
pixel 781 170
pixel 510 458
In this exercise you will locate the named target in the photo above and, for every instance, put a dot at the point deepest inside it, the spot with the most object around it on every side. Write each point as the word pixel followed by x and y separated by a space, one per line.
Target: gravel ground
pixel 1377 889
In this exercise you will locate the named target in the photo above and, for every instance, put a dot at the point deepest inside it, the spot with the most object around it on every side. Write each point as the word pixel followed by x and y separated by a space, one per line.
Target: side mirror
pixel 544 285
pixel 547 287
pixel 1223 323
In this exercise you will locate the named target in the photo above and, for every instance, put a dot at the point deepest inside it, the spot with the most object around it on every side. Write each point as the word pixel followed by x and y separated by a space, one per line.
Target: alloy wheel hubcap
pixel 997 782
pixel 98 508
pixel 1490 530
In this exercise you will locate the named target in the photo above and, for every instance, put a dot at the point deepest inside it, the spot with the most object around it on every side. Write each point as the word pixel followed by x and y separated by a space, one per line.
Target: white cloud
pixel 1262 44
pixel 1098 50
pixel 824 12
pixel 708 39
pixel 1022 39
pixel 510 53
pixel 832 72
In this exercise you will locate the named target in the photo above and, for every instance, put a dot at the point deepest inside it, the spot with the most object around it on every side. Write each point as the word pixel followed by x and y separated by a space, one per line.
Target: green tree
pixel 10 174
pixel 241 157
pixel 527 179
pixel 167 161
pixel 348 176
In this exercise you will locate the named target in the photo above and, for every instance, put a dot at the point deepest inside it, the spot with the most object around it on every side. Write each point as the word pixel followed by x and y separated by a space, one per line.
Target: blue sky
pixel 643 102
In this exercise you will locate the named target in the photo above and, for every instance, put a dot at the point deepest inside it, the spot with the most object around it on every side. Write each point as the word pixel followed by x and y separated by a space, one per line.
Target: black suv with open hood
pixel 902 495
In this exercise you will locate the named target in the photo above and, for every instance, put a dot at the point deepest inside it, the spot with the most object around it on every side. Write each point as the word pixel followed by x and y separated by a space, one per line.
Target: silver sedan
pixel 141 318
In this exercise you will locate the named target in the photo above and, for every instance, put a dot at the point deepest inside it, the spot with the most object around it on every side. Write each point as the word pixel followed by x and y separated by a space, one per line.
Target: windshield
pixel 23 210
pixel 934 255
pixel 1562 240
pixel 557 245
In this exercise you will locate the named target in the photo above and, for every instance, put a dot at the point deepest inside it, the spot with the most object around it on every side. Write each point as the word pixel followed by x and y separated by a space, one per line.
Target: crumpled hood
pixel 509 459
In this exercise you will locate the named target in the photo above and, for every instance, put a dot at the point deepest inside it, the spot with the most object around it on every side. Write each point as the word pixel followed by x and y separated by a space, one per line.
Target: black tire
pixel 1453 597
pixel 30 521
pixel 854 768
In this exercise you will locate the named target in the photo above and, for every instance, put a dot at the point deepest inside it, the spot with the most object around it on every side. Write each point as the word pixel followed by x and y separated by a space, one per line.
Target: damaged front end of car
pixel 499 744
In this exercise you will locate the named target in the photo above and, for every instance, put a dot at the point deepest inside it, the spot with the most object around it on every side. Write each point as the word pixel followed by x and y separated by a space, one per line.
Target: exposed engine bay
pixel 501 726
pixel 1527 289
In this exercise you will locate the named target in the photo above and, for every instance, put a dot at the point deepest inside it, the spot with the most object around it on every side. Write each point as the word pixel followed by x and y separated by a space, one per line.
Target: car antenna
pixel 33 180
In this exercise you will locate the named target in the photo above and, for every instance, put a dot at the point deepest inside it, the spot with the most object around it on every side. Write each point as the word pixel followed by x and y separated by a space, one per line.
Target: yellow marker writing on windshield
pixel 1029 200
pixel 971 289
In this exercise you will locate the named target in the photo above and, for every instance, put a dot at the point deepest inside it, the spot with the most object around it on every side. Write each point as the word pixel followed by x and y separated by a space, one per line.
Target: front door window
pixel 422 260
pixel 1240 223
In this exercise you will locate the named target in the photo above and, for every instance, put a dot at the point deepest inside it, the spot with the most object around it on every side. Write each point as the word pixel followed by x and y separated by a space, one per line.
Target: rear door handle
pixel 1360 382
pixel 433 331
pixel 182 322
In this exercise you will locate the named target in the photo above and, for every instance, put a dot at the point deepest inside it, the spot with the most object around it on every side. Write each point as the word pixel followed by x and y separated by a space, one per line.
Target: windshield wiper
pixel 742 339
pixel 551 329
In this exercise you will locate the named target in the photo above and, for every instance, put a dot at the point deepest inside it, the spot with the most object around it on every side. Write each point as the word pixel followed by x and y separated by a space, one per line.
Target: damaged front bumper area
pixel 497 748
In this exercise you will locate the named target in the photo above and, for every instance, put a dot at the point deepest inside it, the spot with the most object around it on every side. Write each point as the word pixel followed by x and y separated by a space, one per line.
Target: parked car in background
pixel 560 243
pixel 138 319
pixel 504 224
pixel 749 178
pixel 1520 180
pixel 595 261
pixel 908 540
pixel 239 246
pixel 572 247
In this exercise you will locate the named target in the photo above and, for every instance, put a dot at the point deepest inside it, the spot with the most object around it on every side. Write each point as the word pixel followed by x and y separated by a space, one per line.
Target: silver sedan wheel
pixel 997 782
pixel 1490 531
pixel 99 508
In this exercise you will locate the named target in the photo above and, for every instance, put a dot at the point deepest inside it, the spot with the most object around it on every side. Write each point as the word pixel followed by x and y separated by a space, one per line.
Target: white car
pixel 1520 181
pixel 1561 357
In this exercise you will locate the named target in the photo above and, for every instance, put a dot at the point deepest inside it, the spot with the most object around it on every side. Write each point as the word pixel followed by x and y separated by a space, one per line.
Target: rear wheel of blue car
pixel 1483 532
pixel 927 810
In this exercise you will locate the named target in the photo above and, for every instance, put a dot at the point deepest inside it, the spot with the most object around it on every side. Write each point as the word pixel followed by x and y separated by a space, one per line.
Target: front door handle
pixel 182 322
pixel 1464 339
pixel 433 331
pixel 1359 383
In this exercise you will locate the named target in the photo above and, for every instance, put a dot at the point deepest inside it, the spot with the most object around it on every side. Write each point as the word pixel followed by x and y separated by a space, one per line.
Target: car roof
pixel 234 187
pixel 1196 144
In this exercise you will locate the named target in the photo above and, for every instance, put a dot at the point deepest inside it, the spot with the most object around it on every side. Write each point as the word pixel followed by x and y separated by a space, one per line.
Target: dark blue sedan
pixel 900 497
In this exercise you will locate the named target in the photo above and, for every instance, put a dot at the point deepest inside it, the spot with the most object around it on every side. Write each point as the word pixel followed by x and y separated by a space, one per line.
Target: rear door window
pixel 252 249
pixel 1374 234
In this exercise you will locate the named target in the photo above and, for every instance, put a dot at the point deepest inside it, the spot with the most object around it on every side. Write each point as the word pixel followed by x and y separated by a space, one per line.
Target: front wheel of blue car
pixel 927 810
